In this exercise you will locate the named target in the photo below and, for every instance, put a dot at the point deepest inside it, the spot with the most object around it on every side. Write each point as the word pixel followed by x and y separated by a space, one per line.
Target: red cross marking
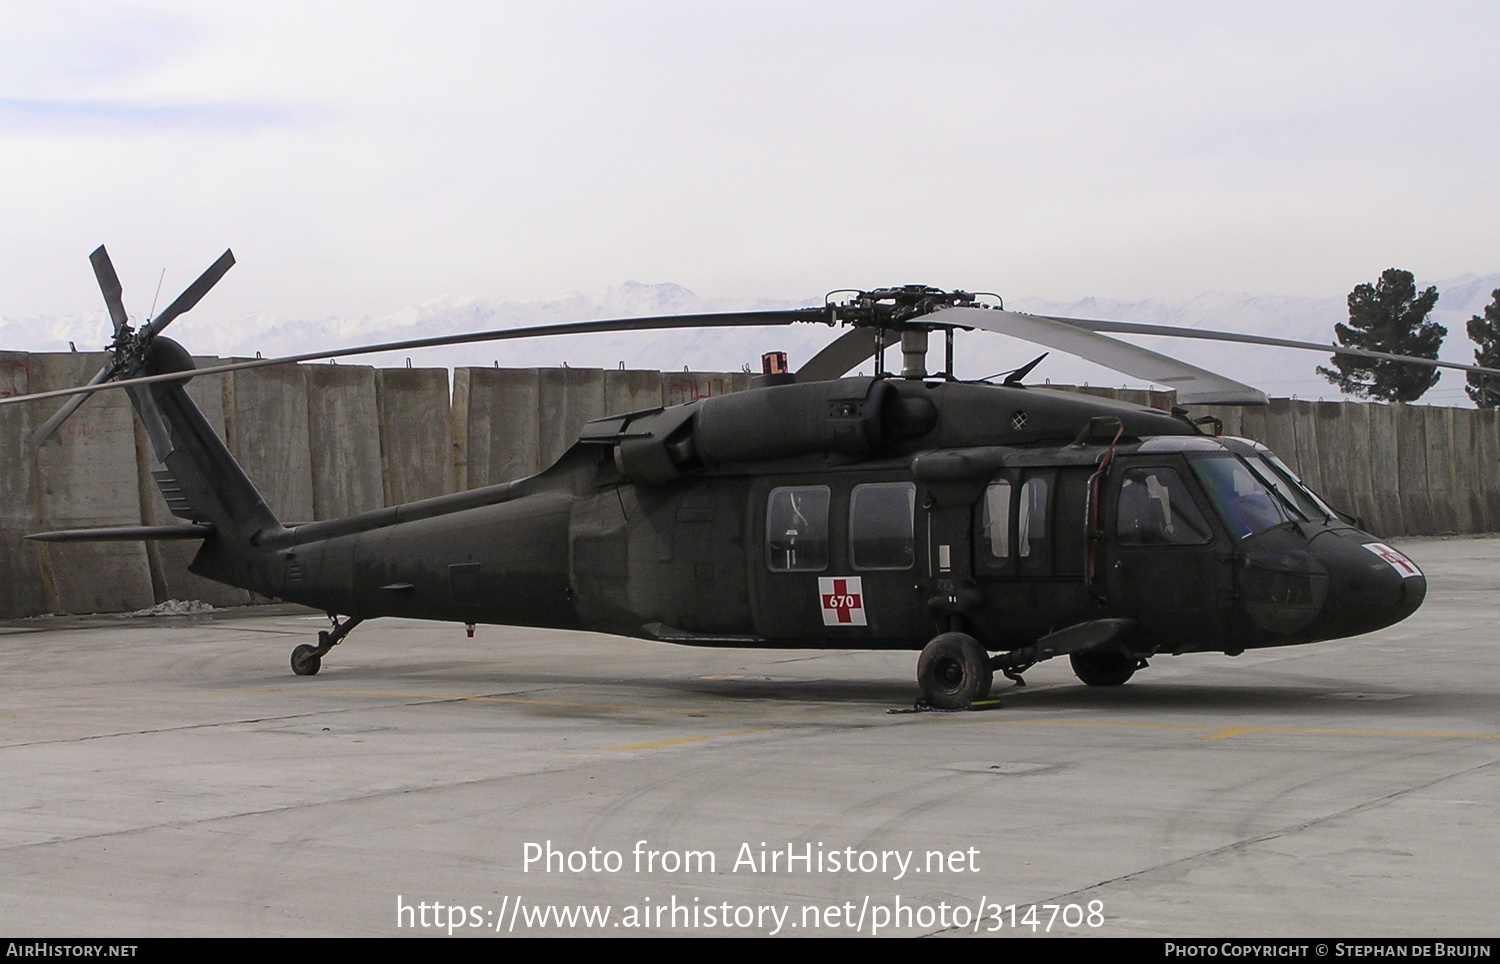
pixel 842 601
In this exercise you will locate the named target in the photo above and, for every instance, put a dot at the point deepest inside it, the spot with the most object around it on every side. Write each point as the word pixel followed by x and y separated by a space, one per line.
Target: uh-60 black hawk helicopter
pixel 903 510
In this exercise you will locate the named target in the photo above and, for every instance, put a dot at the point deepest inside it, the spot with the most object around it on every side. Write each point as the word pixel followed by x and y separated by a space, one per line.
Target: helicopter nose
pixel 1310 582
pixel 1370 584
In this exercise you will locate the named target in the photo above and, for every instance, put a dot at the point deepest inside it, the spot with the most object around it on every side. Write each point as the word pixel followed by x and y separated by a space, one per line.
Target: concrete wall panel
pixel 1449 513
pixel 344 429
pixel 1253 423
pixel 1488 465
pixel 1344 446
pixel 85 477
pixel 1385 475
pixel 1467 470
pixel 1309 457
pixel 679 388
pixel 631 390
pixel 1411 449
pixel 20 561
pixel 1281 432
pixel 265 423
pixel 416 433
pixel 568 397
pixel 497 424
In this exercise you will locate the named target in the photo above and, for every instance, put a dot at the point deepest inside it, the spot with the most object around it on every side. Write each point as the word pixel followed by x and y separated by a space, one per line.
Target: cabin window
pixel 881 524
pixel 995 520
pixel 797 528
pixel 1155 509
pixel 1031 521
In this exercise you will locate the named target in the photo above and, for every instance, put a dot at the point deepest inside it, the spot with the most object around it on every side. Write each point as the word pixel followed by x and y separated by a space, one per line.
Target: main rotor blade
pixel 192 295
pixel 739 319
pixel 1207 334
pixel 841 355
pixel 109 283
pixel 70 406
pixel 1194 385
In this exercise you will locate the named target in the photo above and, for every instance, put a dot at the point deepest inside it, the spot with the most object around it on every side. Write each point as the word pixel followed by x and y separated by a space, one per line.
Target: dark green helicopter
pixel 903 510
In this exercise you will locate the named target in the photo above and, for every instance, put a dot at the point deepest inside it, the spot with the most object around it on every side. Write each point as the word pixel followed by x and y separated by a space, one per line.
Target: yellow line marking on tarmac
pixel 1229 732
pixel 685 739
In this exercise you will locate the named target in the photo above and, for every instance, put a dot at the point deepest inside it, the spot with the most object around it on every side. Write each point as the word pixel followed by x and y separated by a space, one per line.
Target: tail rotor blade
pixel 70 406
pixel 191 296
pixel 109 283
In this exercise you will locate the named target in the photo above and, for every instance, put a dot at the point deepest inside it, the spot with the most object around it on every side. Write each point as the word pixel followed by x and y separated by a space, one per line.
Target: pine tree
pixel 1485 332
pixel 1388 316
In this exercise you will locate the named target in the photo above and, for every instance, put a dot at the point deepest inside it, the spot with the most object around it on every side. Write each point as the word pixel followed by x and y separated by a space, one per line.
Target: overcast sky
pixel 367 156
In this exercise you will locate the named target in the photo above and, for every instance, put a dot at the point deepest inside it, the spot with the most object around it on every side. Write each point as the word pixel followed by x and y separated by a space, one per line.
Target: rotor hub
pixel 896 307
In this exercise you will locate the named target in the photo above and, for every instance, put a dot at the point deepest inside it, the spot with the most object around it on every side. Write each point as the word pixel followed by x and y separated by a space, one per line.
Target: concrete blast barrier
pixel 1468 469
pixel 344 431
pixel 568 397
pixel 1450 514
pixel 1280 433
pixel 416 433
pixel 1487 425
pixel 20 561
pixel 1304 417
pixel 265 423
pixel 495 425
pixel 86 477
pixel 678 389
pixel 1411 464
pixel 631 390
pixel 1344 446
pixel 1389 518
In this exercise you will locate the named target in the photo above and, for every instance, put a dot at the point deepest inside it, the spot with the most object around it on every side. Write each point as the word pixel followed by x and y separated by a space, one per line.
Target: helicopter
pixel 986 526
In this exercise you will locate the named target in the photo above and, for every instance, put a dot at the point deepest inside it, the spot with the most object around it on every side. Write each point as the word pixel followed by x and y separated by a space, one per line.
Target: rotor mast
pixel 899 310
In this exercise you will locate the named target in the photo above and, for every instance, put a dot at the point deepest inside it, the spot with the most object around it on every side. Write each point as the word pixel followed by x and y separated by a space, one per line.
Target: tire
pixel 1107 668
pixel 954 671
pixel 306 661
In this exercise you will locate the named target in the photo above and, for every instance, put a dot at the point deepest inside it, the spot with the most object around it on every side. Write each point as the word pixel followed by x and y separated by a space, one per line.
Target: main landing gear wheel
pixel 1108 668
pixel 954 671
pixel 306 661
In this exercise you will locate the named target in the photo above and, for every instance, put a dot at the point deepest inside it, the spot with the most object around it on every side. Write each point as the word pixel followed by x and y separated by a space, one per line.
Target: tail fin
pixel 199 478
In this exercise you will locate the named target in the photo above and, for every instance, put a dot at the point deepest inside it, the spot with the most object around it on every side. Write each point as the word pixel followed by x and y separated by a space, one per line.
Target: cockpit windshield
pixel 1301 494
pixel 1248 503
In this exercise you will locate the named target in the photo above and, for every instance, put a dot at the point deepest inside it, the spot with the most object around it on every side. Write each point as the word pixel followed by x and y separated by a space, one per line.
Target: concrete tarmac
pixel 170 776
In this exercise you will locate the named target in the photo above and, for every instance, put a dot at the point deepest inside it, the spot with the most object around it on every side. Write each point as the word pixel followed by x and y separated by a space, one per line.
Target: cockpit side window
pixel 797 528
pixel 1156 509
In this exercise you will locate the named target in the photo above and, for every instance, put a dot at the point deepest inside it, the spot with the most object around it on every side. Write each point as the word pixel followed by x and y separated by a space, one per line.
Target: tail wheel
pixel 1108 668
pixel 306 661
pixel 954 671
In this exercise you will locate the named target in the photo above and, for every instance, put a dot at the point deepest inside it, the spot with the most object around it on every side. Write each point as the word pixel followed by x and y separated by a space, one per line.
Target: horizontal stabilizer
pixel 125 534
